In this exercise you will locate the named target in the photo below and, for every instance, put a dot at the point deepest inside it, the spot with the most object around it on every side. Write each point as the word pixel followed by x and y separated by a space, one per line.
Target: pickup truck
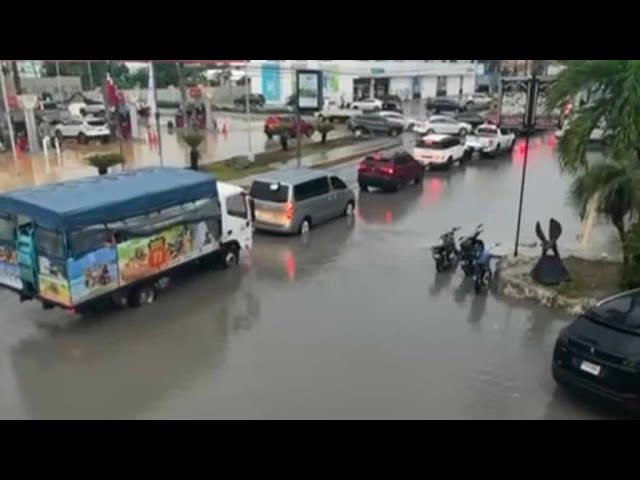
pixel 332 112
pixel 490 140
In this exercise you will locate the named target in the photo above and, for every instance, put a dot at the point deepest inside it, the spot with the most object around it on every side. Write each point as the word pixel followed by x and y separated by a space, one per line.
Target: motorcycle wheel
pixel 439 266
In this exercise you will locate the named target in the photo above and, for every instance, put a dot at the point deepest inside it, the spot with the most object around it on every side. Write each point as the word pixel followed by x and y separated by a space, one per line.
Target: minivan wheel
pixel 348 211
pixel 305 226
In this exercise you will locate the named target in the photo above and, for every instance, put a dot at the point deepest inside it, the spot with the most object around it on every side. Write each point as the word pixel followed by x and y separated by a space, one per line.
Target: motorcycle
pixel 471 247
pixel 482 274
pixel 446 254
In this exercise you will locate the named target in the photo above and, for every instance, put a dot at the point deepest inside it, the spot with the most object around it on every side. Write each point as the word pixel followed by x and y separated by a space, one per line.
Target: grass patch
pixel 265 161
pixel 590 278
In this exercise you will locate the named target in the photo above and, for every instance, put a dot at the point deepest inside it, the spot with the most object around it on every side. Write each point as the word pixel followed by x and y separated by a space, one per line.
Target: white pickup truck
pixel 490 140
pixel 332 112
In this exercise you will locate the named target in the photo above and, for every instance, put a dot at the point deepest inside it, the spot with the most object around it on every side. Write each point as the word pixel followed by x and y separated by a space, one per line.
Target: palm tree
pixel 612 89
pixel 193 141
pixel 614 188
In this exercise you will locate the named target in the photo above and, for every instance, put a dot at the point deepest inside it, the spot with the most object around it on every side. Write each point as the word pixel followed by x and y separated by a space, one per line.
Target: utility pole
pixel 7 112
pixel 298 133
pixel 183 94
pixel 247 105
pixel 91 85
pixel 60 99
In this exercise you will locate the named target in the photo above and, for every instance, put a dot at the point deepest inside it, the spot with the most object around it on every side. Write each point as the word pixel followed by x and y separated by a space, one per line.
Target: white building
pixel 350 79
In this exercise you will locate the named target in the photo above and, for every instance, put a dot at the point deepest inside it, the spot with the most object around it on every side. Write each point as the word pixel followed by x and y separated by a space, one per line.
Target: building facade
pixel 355 79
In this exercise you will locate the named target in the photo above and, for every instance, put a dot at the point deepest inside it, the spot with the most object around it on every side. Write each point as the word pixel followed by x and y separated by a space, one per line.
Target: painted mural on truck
pixel 139 258
pixel 9 269
pixel 93 274
pixel 52 281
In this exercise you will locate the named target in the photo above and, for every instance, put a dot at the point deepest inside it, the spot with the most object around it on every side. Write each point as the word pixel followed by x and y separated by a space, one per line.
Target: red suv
pixel 389 173
pixel 273 122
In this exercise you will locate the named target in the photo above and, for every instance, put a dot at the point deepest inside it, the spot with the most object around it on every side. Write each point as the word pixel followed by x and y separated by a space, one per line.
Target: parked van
pixel 294 200
pixel 121 236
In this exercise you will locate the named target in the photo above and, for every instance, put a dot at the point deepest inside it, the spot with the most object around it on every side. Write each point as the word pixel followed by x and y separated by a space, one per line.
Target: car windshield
pixel 622 312
pixel 486 132
pixel 269 192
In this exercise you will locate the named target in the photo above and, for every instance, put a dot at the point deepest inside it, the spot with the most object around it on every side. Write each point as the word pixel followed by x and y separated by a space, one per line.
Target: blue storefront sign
pixel 271 82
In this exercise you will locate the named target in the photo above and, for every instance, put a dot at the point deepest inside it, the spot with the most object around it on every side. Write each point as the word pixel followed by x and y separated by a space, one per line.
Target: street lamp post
pixel 247 105
pixel 7 112
pixel 529 122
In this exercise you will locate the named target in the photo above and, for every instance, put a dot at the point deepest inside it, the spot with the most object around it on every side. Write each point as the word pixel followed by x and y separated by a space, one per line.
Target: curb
pixel 513 280
pixel 244 182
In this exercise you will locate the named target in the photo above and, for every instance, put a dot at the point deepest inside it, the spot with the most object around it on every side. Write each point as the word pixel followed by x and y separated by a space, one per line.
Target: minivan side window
pixel 337 184
pixel 311 189
pixel 236 206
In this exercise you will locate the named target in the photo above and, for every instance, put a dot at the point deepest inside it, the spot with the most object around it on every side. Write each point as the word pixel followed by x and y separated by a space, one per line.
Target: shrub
pixel 104 161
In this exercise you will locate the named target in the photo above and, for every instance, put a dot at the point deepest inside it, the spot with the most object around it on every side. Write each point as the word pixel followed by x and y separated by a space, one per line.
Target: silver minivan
pixel 294 200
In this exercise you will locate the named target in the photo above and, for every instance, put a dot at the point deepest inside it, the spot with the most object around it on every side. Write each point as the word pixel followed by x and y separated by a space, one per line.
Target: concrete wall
pixel 401 86
pixel 428 86
pixel 38 86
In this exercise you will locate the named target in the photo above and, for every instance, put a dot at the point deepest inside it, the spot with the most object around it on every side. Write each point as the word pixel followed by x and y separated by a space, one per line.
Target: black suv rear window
pixel 269 192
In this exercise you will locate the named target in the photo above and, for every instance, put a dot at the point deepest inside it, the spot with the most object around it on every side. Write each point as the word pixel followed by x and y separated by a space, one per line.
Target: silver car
pixel 294 200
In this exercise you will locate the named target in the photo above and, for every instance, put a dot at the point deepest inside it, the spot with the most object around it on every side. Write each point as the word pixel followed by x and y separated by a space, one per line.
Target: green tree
pixel 612 92
pixel 614 188
pixel 119 72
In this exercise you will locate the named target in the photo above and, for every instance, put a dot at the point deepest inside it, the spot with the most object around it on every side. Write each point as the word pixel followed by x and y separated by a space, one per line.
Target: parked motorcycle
pixel 446 254
pixel 471 247
pixel 482 273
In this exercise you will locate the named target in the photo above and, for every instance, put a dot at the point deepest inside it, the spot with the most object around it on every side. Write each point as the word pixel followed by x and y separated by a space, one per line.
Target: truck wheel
pixel 358 132
pixel 230 257
pixel 462 132
pixel 142 294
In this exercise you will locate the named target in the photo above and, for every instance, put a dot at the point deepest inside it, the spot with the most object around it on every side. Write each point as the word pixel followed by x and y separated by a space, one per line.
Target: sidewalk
pixel 329 157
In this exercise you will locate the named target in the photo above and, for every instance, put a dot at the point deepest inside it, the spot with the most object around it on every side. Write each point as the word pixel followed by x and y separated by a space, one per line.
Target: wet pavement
pixel 36 169
pixel 352 323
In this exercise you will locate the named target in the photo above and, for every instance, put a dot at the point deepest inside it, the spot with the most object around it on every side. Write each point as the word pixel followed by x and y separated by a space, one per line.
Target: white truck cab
pixel 237 216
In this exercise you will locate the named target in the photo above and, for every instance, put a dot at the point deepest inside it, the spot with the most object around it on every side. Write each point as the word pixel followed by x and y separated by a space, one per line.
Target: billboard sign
pixel 309 90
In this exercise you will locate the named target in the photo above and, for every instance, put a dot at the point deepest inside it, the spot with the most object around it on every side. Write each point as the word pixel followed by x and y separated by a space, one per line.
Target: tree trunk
pixel 284 142
pixel 324 137
pixel 619 224
pixel 195 159
pixel 16 78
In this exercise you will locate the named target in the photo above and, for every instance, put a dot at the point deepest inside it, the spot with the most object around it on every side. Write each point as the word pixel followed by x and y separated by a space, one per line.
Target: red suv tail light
pixel 388 170
pixel 362 168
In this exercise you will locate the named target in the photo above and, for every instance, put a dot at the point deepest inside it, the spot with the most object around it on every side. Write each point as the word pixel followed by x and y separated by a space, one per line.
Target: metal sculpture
pixel 550 270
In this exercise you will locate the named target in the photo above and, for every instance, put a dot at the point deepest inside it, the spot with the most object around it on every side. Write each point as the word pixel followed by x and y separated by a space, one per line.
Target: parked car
pixel 395 117
pixel 332 111
pixel 443 104
pixel 599 353
pixel 255 100
pixel 472 118
pixel 390 98
pixel 83 129
pixel 374 124
pixel 443 124
pixel 294 200
pixel 439 150
pixel 479 100
pixel 490 140
pixel 389 173
pixel 368 105
pixel 272 123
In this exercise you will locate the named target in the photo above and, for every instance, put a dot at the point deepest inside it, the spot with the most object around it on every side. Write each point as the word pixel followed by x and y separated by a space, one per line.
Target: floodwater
pixel 354 322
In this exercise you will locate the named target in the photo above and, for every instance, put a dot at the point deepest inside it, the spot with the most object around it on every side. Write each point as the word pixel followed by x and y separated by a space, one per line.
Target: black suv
pixel 255 100
pixel 599 353
pixel 373 124
pixel 443 104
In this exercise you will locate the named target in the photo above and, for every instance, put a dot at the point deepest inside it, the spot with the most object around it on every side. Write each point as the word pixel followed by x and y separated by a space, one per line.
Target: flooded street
pixel 353 323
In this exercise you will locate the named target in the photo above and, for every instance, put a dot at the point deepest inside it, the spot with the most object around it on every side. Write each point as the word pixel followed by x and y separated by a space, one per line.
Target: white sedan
pixel 368 105
pixel 443 125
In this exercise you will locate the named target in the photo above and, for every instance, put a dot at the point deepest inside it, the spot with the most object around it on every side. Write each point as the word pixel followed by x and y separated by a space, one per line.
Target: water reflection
pixel 387 208
pixel 119 365
pixel 291 258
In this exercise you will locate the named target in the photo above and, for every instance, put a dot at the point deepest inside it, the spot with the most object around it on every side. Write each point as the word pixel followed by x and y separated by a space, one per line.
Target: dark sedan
pixel 599 353
pixel 472 118
pixel 443 104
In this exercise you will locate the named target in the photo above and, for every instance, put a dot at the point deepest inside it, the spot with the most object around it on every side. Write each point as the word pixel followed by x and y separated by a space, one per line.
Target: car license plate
pixel 591 368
